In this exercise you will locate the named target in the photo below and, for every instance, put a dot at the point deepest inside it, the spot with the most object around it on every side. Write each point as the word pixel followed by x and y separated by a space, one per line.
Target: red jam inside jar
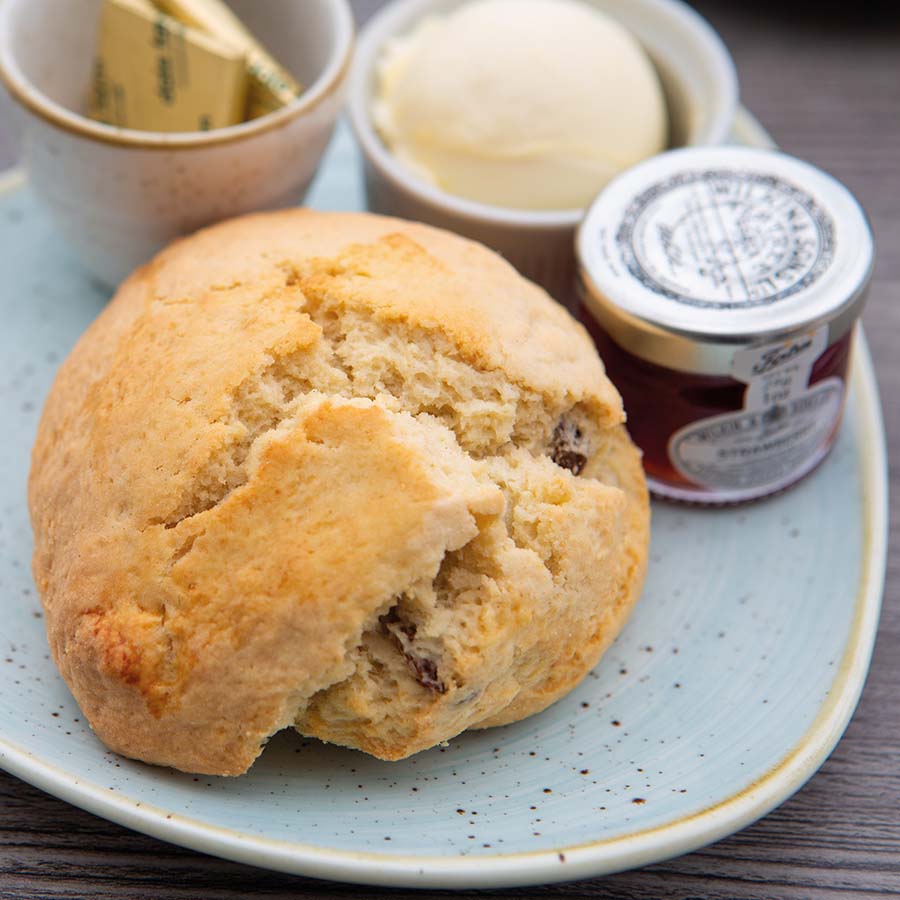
pixel 661 401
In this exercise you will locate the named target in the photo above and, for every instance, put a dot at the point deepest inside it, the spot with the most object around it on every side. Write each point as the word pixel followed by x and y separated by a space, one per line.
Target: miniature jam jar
pixel 721 286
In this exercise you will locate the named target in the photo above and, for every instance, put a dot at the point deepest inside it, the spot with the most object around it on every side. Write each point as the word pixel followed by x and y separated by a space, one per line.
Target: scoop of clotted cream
pixel 529 104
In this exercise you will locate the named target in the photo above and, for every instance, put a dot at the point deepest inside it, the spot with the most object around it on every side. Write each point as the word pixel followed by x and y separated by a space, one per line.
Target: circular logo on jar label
pixel 726 239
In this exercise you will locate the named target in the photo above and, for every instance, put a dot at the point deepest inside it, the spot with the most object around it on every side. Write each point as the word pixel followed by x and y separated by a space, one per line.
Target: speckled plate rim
pixel 564 863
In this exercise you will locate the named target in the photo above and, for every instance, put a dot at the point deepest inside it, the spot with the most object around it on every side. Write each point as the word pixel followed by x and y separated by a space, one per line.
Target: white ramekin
pixel 118 195
pixel 701 89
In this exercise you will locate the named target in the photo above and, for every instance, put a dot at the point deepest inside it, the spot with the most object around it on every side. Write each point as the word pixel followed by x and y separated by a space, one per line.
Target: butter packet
pixel 271 86
pixel 154 73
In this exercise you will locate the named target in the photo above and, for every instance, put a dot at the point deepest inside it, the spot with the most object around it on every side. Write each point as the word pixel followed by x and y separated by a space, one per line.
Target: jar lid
pixel 693 254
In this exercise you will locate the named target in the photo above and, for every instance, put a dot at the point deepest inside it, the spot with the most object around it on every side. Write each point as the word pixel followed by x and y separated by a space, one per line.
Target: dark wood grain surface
pixel 825 79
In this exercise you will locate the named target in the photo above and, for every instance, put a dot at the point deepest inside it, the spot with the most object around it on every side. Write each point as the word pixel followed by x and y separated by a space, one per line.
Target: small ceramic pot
pixel 119 195
pixel 701 89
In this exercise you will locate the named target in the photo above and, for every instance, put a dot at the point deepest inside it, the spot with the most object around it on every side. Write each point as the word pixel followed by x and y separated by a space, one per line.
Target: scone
pixel 331 471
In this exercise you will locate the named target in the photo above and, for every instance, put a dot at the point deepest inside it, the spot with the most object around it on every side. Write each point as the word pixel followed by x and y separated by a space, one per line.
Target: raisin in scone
pixel 331 471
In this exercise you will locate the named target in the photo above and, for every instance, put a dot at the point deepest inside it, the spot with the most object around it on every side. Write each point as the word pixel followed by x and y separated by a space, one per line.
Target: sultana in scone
pixel 334 471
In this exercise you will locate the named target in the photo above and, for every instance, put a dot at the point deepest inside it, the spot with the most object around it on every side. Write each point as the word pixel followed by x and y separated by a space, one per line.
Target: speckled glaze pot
pixel 118 195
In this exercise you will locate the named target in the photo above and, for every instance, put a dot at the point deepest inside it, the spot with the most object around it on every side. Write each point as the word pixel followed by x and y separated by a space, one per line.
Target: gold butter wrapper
pixel 154 73
pixel 271 85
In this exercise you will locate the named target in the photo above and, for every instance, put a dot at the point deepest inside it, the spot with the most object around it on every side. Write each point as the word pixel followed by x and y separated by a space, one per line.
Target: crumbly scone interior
pixel 459 638
pixel 449 638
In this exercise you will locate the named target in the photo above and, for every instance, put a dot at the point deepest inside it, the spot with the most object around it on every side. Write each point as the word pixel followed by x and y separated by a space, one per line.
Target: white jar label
pixel 782 430
pixel 726 239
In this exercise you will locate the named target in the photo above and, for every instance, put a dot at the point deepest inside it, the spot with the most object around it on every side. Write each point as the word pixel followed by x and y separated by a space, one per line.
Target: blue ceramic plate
pixel 730 685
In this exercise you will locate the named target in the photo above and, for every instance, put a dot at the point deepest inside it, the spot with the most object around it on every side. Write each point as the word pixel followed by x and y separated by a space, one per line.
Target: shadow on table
pixel 861 17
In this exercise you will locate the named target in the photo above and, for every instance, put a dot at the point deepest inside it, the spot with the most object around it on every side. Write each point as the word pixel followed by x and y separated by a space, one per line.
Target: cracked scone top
pixel 334 471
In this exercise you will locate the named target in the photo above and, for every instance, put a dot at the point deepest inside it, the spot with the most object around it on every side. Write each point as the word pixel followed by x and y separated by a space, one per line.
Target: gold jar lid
pixel 698 253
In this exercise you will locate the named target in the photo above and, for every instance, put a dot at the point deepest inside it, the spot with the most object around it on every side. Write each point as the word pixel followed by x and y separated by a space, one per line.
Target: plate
pixel 732 682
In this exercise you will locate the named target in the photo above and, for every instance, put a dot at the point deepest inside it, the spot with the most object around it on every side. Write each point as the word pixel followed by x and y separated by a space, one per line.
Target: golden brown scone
pixel 335 471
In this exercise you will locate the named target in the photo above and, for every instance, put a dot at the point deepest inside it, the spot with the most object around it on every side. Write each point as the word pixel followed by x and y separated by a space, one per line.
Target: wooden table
pixel 828 87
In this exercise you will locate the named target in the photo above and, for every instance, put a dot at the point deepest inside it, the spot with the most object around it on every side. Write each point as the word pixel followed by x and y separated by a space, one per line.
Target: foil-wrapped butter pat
pixel 154 73
pixel 271 85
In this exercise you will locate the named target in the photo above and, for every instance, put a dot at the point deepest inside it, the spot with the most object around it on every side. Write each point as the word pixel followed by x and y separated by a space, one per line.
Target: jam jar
pixel 722 286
